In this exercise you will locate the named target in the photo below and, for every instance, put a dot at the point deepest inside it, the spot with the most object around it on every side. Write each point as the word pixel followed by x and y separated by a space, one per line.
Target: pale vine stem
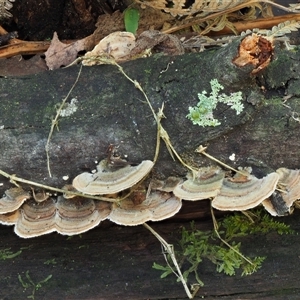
pixel 13 179
pixel 169 248
pixel 215 223
pixel 55 121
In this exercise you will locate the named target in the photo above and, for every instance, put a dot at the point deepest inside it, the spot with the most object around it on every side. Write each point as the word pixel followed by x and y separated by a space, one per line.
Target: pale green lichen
pixel 202 113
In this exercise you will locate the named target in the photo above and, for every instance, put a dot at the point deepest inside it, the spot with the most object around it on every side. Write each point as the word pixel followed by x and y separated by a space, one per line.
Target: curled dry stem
pixel 161 132
pixel 55 121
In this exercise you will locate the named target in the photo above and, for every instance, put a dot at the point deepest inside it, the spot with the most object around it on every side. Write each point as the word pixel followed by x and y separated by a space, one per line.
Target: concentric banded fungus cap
pixel 13 199
pixel 78 215
pixel 157 206
pixel 110 181
pixel 66 216
pixel 10 218
pixel 244 192
pixel 206 184
pixel 36 218
pixel 290 181
pixel 167 185
pixel 280 203
pixel 275 205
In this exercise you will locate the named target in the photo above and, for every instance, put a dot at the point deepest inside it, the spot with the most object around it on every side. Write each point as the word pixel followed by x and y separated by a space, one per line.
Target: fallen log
pixel 111 111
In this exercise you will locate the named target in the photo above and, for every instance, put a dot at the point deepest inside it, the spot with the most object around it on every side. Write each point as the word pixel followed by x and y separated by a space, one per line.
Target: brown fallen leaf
pixel 60 54
pixel 17 66
pixel 158 42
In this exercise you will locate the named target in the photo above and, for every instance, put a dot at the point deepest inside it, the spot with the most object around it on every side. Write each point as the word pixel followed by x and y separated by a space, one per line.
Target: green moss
pixel 197 246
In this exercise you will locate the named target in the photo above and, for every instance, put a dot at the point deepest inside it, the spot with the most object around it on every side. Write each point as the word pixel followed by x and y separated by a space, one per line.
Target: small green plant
pixel 7 254
pixel 29 283
pixel 50 262
pixel 197 245
pixel 202 113
pixel 131 19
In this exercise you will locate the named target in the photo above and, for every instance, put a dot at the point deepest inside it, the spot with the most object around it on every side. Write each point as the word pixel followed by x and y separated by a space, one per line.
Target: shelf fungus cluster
pixel 65 216
pixel 138 202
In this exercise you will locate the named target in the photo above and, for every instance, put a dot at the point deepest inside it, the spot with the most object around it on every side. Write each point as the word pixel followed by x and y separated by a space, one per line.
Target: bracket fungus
pixel 275 205
pixel 13 199
pixel 289 180
pixel 244 192
pixel 68 217
pixel 280 203
pixel 167 185
pixel 36 218
pixel 10 218
pixel 205 185
pixel 108 180
pixel 156 207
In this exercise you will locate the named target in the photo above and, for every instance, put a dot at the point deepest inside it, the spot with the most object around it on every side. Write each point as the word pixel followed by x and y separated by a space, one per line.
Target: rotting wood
pixel 111 111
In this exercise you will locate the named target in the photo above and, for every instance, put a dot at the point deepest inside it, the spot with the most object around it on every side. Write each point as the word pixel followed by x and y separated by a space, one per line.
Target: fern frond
pixel 284 28
pixel 5 6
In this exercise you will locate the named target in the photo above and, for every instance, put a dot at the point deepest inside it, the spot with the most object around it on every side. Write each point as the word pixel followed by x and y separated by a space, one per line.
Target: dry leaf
pixel 5 6
pixel 60 54
pixel 117 44
pixel 158 42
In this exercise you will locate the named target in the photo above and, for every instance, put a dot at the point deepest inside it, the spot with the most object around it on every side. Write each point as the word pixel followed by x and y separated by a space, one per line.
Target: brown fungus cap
pixel 206 184
pixel 36 218
pixel 75 216
pixel 289 180
pixel 156 207
pixel 244 192
pixel 13 199
pixel 10 218
pixel 109 181
pixel 167 185
pixel 65 216
pixel 275 205
pixel 281 202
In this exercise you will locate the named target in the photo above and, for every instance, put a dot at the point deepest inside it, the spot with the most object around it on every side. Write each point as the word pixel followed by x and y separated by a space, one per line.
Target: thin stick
pixel 202 149
pixel 13 178
pixel 169 248
pixel 55 122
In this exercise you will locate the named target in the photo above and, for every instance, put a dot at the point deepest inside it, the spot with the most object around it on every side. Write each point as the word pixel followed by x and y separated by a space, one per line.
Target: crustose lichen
pixel 202 113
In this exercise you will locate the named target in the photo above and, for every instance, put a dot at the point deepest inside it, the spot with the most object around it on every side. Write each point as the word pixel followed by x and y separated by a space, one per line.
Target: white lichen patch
pixel 70 108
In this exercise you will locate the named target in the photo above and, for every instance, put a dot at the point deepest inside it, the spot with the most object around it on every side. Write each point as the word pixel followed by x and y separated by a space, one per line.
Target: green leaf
pixel 131 19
